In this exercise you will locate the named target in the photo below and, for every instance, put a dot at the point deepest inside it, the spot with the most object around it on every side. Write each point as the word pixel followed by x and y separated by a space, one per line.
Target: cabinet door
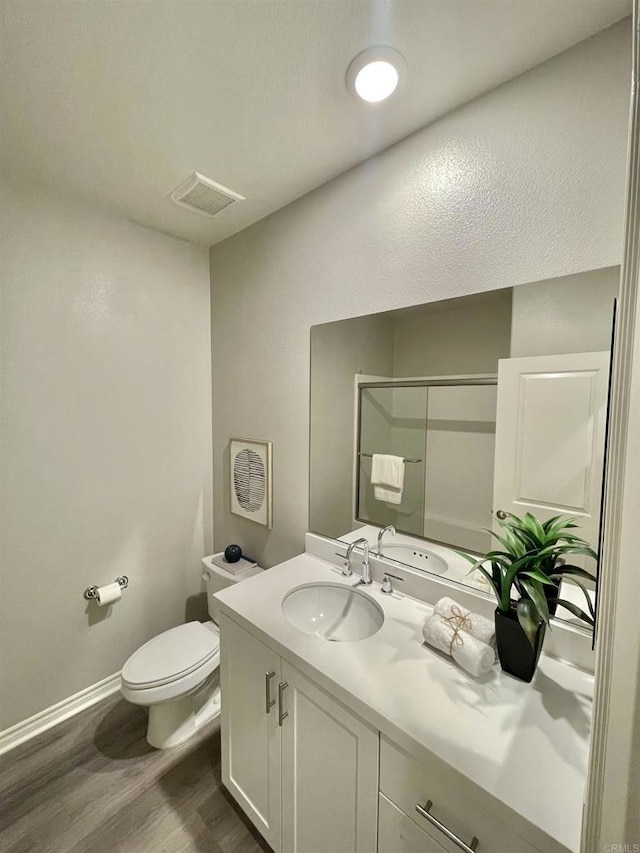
pixel 550 437
pixel 398 834
pixel 329 773
pixel 250 732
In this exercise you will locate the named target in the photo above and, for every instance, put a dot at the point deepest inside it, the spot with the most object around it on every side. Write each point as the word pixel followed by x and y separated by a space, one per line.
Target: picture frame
pixel 250 480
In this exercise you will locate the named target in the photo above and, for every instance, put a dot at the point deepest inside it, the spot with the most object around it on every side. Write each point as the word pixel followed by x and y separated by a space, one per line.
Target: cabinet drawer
pixel 408 782
pixel 398 834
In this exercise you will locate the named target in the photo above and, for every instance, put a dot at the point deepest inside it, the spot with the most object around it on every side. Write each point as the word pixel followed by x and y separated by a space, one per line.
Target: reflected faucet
pixel 389 529
pixel 366 570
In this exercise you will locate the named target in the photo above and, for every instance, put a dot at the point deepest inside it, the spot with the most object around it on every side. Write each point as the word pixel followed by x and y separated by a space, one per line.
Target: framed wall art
pixel 250 480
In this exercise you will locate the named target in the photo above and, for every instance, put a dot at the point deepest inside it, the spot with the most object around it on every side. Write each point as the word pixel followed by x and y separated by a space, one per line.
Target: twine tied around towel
pixel 459 622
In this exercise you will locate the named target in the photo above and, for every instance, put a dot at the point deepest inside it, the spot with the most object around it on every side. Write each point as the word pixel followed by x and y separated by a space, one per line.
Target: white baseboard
pixel 50 717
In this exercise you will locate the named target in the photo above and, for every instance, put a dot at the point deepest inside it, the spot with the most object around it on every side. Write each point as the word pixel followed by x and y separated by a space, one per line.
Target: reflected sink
pixel 340 614
pixel 417 558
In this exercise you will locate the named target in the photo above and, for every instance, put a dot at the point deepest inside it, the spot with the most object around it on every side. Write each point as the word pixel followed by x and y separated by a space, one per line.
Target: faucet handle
pixel 346 566
pixel 387 586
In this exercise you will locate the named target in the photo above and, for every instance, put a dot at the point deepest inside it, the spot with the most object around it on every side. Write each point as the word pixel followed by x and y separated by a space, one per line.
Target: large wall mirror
pixel 495 402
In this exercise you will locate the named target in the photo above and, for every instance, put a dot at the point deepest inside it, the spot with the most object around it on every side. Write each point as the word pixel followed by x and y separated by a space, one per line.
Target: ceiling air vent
pixel 204 195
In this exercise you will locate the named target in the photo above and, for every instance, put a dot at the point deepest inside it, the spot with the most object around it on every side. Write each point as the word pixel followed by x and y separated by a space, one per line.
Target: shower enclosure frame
pixel 458 380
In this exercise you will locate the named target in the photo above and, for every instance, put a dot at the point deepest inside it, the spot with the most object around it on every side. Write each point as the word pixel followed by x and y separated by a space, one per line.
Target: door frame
pixel 611 814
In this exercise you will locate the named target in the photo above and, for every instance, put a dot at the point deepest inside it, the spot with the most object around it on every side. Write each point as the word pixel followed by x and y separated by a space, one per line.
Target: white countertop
pixel 524 745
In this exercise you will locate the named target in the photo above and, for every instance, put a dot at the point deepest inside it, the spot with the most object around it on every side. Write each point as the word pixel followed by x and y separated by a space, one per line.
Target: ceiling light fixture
pixel 376 73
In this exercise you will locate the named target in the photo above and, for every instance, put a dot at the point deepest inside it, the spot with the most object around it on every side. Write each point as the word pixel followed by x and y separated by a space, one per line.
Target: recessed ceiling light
pixel 376 73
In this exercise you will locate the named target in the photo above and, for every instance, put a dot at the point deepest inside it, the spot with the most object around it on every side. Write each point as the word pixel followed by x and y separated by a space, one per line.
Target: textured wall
pixel 105 451
pixel 523 184
pixel 570 314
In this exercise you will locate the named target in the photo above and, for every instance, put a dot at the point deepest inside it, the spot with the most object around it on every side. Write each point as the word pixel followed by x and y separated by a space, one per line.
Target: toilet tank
pixel 217 578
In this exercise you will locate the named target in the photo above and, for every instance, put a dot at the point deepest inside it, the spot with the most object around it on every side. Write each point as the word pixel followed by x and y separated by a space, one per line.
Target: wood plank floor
pixel 94 785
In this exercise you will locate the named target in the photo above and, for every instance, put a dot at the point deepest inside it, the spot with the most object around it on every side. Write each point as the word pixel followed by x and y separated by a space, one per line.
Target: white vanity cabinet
pixel 249 672
pixel 426 808
pixel 303 767
pixel 399 834
pixel 373 731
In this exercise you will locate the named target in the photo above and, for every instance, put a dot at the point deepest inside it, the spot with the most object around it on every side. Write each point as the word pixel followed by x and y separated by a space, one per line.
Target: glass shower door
pixel 393 421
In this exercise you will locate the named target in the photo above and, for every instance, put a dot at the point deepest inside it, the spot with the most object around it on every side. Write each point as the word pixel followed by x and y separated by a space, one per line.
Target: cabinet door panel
pixel 398 834
pixel 250 735
pixel 329 773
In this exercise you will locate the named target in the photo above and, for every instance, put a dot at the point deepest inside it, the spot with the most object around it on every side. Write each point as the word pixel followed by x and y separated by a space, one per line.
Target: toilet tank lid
pixel 244 569
pixel 170 655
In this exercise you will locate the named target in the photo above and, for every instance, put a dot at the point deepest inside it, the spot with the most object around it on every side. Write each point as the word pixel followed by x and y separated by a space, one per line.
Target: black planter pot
pixel 517 656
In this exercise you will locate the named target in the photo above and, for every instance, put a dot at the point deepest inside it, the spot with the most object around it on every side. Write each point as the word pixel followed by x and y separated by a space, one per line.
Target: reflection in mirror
pixel 444 429
pixel 494 401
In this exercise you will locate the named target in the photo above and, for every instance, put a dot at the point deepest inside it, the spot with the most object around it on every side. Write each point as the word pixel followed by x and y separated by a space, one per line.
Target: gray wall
pixel 105 451
pixel 454 337
pixel 338 352
pixel 569 314
pixel 523 184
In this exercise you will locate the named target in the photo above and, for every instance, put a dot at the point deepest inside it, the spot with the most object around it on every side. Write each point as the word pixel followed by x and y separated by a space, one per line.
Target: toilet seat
pixel 172 656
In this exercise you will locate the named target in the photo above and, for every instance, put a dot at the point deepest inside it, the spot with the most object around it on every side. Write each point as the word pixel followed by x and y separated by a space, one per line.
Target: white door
pixel 249 677
pixel 329 773
pixel 550 431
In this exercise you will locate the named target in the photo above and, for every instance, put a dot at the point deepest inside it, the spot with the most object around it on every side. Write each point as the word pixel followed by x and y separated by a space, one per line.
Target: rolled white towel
pixel 471 654
pixel 478 626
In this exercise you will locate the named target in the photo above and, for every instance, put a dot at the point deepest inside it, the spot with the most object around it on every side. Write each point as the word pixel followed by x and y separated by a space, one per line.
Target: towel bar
pixel 369 455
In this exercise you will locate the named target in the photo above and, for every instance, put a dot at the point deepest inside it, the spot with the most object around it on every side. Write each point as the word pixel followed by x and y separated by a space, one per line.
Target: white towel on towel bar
pixel 387 477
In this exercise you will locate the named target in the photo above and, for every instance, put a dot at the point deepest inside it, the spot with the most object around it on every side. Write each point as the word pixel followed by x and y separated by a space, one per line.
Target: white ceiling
pixel 117 102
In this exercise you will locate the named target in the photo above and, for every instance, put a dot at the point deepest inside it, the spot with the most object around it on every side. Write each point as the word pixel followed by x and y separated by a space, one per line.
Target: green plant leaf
pixel 538 529
pixel 566 523
pixel 536 594
pixel 538 575
pixel 585 592
pixel 510 546
pixel 576 571
pixel 528 619
pixel 548 524
pixel 573 608
pixel 569 548
pixel 470 557
pixel 494 586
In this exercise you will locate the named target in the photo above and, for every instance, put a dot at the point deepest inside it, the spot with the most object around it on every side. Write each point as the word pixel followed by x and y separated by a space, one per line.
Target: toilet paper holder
pixel 90 592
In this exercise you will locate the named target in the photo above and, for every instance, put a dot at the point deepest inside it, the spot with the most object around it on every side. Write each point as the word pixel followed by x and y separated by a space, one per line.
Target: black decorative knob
pixel 232 553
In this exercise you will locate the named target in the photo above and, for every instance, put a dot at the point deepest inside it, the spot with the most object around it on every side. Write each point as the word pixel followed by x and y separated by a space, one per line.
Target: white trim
pixel 50 717
pixel 612 779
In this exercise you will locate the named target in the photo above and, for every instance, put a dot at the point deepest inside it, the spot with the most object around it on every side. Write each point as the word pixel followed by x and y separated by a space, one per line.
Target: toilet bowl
pixel 175 674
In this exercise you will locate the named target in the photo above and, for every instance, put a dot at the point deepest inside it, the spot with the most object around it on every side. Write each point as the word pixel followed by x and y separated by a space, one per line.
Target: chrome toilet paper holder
pixel 90 592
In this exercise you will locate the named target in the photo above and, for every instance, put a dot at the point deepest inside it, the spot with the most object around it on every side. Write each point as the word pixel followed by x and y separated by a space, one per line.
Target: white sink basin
pixel 417 558
pixel 340 614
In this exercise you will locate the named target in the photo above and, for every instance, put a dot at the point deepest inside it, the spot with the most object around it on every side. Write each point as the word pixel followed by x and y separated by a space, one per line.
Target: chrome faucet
pixel 389 529
pixel 366 569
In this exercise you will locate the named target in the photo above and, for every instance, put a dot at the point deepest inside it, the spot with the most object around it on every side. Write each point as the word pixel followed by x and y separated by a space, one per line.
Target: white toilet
pixel 176 673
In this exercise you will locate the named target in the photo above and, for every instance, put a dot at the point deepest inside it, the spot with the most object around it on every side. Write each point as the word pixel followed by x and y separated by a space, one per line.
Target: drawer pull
pixel 268 702
pixel 282 715
pixel 424 811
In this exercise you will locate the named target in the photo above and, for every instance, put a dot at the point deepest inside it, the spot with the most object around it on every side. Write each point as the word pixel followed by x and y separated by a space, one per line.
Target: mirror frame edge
pixel 610 815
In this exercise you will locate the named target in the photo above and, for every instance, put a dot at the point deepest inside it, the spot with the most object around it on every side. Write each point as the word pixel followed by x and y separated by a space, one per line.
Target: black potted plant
pixel 525 577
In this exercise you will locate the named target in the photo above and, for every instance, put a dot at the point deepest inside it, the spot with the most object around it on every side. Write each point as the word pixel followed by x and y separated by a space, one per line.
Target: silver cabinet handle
pixel 501 514
pixel 282 715
pixel 424 811
pixel 268 702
